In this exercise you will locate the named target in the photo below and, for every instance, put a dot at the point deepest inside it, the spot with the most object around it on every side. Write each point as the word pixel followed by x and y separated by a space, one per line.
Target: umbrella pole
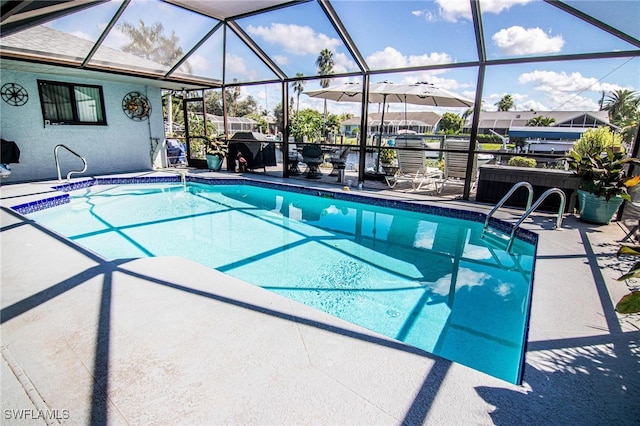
pixel 384 101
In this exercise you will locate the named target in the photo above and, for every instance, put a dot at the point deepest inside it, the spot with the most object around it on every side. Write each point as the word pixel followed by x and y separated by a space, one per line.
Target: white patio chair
pixel 412 166
pixel 455 164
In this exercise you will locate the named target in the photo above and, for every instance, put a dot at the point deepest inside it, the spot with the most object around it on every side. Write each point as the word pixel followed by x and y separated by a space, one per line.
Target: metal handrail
pixel 563 199
pixel 506 197
pixel 55 153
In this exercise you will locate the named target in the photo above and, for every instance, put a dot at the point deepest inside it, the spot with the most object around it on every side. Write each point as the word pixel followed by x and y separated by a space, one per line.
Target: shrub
pixel 594 142
pixel 521 162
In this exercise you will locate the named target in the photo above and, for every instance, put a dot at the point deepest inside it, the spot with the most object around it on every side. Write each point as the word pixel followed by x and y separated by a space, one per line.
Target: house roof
pixel 508 119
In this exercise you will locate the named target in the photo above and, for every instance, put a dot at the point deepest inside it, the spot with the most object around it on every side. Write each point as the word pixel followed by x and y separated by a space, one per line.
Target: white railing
pixel 55 153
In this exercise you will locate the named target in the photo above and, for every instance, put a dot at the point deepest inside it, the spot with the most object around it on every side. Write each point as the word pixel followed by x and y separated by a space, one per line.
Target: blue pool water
pixel 427 280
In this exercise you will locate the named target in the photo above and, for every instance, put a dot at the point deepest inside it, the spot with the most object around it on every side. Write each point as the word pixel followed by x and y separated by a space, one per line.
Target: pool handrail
pixel 55 153
pixel 530 208
pixel 563 200
pixel 506 197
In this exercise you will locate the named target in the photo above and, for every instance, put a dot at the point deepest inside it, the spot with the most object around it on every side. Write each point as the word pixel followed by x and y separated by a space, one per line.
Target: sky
pixel 395 34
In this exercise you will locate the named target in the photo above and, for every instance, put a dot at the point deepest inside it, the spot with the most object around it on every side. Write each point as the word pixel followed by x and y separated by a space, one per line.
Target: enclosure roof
pixel 209 43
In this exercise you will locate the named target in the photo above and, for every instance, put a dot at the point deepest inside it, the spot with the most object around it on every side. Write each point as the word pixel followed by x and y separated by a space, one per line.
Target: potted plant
pixel 216 150
pixel 599 159
pixel 388 161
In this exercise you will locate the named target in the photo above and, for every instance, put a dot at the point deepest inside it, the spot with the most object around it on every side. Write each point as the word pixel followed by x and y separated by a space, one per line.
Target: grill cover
pixel 255 148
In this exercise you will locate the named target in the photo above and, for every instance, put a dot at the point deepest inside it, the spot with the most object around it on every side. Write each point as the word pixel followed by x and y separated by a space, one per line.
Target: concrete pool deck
pixel 167 341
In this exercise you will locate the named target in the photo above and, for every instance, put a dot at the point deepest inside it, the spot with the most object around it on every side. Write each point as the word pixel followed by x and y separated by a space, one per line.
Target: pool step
pixel 496 238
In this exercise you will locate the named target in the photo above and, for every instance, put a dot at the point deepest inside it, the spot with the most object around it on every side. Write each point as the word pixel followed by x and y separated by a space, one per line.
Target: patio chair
pixel 412 166
pixel 294 158
pixel 312 156
pixel 338 160
pixel 455 164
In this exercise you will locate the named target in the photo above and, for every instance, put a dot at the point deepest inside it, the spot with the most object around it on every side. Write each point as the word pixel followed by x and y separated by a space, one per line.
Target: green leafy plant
pixel 599 158
pixel 216 145
pixel 518 161
pixel 387 155
pixel 630 303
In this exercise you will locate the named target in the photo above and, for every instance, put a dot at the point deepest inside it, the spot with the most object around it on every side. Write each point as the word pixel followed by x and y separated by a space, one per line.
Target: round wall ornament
pixel 136 106
pixel 14 94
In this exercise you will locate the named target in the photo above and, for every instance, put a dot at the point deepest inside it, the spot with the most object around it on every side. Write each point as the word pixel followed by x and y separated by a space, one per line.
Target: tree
pixel 278 113
pixel 451 123
pixel 624 111
pixel 540 121
pixel 261 122
pixel 325 64
pixel 306 123
pixel 621 105
pixel 150 42
pixel 505 104
pixel 298 88
pixel 333 123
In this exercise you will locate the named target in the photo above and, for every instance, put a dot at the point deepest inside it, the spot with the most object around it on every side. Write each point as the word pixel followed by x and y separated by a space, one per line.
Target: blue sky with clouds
pixel 396 34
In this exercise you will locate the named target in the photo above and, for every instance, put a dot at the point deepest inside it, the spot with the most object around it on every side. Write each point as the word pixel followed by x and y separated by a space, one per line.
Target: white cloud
pixel 567 91
pixel 199 64
pixel 517 40
pixel 342 63
pixel 497 6
pixel 235 64
pixel 452 10
pixel 552 81
pixel 281 59
pixel 391 58
pixel 295 39
pixel 428 15
pixel 532 105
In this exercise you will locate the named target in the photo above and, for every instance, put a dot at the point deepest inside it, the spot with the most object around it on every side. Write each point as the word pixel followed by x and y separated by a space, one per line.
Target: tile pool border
pixel 359 197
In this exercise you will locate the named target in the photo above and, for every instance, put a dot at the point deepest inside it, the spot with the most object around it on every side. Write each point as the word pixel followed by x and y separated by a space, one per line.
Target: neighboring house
pixel 235 124
pixel 420 122
pixel 502 121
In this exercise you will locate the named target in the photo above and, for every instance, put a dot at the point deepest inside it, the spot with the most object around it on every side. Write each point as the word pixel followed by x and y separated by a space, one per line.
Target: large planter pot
pixel 594 209
pixel 214 162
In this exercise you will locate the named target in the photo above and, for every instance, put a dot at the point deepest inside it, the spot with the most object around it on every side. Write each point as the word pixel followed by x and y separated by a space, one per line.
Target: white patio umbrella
pixel 386 92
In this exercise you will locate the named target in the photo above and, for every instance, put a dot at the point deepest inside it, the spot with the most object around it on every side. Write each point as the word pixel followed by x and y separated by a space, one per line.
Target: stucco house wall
pixel 123 145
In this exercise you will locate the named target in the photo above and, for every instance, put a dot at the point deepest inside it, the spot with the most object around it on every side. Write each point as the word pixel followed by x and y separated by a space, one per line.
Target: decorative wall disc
pixel 136 106
pixel 14 94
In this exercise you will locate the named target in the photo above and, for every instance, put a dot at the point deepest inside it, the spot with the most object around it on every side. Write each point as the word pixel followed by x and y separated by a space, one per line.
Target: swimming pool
pixel 426 279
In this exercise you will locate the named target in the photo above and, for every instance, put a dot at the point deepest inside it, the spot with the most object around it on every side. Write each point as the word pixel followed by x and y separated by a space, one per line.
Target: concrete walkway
pixel 168 341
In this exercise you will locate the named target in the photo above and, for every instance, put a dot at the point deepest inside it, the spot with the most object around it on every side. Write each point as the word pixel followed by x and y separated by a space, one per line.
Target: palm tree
pixel 298 87
pixel 151 43
pixel 540 121
pixel 505 104
pixel 622 105
pixel 325 64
